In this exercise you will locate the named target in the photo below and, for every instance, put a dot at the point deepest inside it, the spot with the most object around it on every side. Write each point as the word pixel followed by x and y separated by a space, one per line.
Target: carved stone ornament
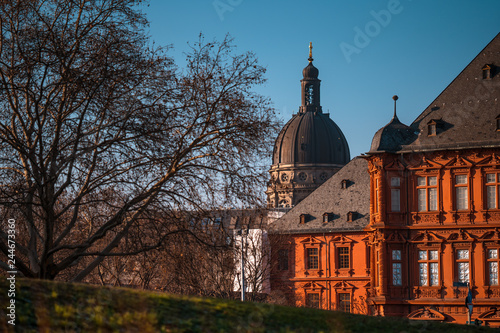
pixel 492 315
pixel 427 313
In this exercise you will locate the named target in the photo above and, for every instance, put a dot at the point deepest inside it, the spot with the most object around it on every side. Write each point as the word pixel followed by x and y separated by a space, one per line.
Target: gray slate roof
pixel 466 110
pixel 464 113
pixel 392 136
pixel 332 198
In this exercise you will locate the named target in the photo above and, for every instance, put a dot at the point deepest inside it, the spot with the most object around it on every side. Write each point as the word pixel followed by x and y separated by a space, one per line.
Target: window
pixel 427 193
pixel 313 300
pixel 492 186
pixel 428 267
pixel 431 128
pixel 492 262
pixel 309 94
pixel 461 192
pixel 463 265
pixel 375 206
pixel 283 260
pixel 396 268
pixel 343 257
pixel 312 258
pixel 345 302
pixel 351 216
pixel 395 194
pixel 486 72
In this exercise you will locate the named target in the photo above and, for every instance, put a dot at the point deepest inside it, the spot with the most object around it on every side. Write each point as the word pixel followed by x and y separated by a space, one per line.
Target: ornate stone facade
pixel 428 226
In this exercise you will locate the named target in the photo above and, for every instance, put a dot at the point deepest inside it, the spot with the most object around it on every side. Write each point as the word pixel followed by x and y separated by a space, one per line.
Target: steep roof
pixel 332 198
pixel 465 113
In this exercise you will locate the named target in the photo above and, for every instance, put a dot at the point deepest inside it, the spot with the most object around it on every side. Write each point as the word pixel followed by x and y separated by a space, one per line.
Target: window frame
pixel 309 256
pixel 496 186
pixel 343 258
pixel 462 261
pixel 428 263
pixel 283 260
pixel 397 261
pixel 395 188
pixel 488 263
pixel 462 187
pixel 309 301
pixel 426 189
pixel 341 303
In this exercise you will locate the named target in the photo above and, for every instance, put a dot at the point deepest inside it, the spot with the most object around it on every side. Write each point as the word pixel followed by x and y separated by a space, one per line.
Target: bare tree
pixel 101 137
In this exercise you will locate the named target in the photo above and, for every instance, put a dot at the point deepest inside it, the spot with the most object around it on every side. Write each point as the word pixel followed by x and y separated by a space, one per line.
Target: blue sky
pixel 366 51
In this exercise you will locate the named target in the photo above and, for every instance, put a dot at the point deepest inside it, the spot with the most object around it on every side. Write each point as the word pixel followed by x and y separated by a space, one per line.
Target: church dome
pixel 392 136
pixel 309 149
pixel 311 138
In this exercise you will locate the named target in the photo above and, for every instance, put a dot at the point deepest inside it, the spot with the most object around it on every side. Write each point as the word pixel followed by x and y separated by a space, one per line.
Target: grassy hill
pixel 43 306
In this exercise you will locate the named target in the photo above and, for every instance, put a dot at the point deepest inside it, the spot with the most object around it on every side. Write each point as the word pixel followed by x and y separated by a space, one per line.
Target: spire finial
pixel 395 98
pixel 310 52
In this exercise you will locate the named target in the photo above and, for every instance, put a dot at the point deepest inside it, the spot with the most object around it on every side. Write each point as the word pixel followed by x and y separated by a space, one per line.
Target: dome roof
pixel 392 136
pixel 310 72
pixel 311 138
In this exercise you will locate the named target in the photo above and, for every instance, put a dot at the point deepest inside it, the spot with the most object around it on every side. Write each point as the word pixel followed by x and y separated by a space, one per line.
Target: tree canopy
pixel 103 137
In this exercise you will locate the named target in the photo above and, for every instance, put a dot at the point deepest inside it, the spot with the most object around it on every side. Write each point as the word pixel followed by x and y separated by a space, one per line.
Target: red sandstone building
pixel 392 231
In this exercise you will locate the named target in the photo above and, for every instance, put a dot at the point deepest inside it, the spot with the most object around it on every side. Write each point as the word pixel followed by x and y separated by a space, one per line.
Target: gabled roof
pixel 335 197
pixel 468 108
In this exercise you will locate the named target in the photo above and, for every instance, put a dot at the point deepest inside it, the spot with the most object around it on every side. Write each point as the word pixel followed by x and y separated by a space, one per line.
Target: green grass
pixel 44 306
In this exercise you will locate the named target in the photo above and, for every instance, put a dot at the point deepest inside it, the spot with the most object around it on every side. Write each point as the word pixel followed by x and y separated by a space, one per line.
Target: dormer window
pixel 432 126
pixel 498 122
pixel 302 218
pixel 327 217
pixel 351 216
pixel 345 183
pixel 432 129
pixel 487 72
